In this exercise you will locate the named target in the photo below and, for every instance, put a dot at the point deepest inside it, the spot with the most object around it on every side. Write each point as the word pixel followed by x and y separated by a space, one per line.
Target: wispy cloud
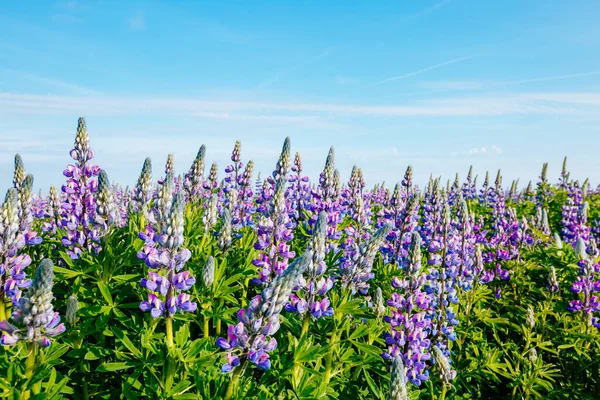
pixel 49 82
pixel 137 22
pixel 516 104
pixel 480 151
pixel 426 69
pixel 345 80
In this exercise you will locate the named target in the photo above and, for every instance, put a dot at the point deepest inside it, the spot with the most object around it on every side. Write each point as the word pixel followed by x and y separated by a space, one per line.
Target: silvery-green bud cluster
pixel 195 177
pixel 72 308
pixel 557 241
pixel 165 199
pixel 278 200
pixel 277 294
pixel 232 199
pixel 211 214
pixel 530 317
pixel 170 164
pixel 283 165
pixel 9 220
pixel 25 199
pixel 552 280
pixel 398 390
pixel 444 368
pixel 415 257
pixel 224 241
pixel 54 203
pixel 174 227
pixel 581 250
pixel 336 184
pixel 105 206
pixel 326 180
pixel 82 140
pixel 208 273
pixel 379 307
pixel 533 355
pixel 143 188
pixel 213 175
pixel 20 172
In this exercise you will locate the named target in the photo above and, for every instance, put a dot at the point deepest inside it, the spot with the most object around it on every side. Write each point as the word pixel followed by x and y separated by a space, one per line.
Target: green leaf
pixel 117 366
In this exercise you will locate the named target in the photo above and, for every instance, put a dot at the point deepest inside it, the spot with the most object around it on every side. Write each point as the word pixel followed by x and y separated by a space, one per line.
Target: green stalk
pixel 169 365
pixel 443 395
pixel 169 327
pixel 2 307
pixel 29 366
pixel 305 325
pixel 206 333
pixel 235 377
pixel 329 356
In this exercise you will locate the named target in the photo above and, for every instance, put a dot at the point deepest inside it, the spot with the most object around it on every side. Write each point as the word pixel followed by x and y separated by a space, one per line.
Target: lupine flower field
pixel 206 282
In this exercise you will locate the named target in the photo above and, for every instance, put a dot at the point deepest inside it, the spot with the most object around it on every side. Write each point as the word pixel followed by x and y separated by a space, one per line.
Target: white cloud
pixel 482 150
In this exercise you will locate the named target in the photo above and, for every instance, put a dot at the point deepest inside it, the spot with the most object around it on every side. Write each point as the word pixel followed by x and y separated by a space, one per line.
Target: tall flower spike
pixel 446 372
pixel 224 241
pixel 105 207
pixel 195 176
pixel 530 317
pixel 143 188
pixel 398 390
pixel 34 312
pixel 283 165
pixel 20 172
pixel 25 200
pixel 552 280
pixel 208 273
pixel 378 303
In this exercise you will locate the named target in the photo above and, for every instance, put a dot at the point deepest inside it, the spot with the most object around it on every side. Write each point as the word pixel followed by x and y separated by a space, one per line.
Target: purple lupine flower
pixel 79 208
pixel 164 253
pixel 588 281
pixel 408 338
pixel 246 207
pixel 251 339
pixel 273 238
pixel 574 216
pixel 34 315
pixel 52 212
pixel 212 181
pixel 233 171
pixel 299 191
pixel 543 188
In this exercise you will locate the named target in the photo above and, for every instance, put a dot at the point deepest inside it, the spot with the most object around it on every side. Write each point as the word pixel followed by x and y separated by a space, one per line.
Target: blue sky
pixel 439 85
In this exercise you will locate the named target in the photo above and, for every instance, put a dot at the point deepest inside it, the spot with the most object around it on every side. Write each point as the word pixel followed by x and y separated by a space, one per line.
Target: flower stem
pixel 2 308
pixel 169 327
pixel 206 332
pixel 305 325
pixel 169 362
pixel 235 377
pixel 29 366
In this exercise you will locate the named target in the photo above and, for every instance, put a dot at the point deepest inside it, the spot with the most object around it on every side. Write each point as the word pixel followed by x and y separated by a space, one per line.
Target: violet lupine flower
pixel 398 389
pixel 251 339
pixel 587 283
pixel 33 313
pixel 79 208
pixel 574 216
pixel 356 272
pixel 444 258
pixel 163 253
pixel 164 201
pixel 403 217
pixel 12 264
pixel 299 192
pixel 246 204
pixel 408 338
pixel 462 247
pixel 143 189
pixel 310 294
pixel 273 238
pixel 194 178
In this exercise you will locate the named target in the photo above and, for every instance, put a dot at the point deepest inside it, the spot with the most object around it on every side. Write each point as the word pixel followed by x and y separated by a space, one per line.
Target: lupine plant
pixel 200 286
